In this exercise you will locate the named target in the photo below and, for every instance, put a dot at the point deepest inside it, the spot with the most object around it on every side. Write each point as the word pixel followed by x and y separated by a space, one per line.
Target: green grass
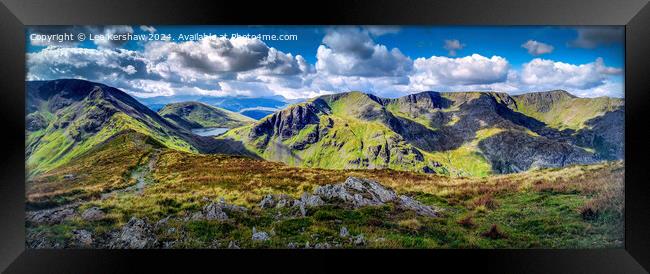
pixel 203 115
pixel 535 209
pixel 569 113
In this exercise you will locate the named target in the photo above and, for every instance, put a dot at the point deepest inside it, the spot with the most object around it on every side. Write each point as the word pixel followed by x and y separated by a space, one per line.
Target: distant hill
pixel 232 103
pixel 192 115
pixel 257 113
pixel 456 133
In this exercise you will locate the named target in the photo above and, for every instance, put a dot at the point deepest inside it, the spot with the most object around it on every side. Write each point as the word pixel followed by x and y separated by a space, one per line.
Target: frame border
pixel 634 14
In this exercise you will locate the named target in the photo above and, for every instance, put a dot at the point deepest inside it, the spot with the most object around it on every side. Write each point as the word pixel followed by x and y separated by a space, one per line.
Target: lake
pixel 210 131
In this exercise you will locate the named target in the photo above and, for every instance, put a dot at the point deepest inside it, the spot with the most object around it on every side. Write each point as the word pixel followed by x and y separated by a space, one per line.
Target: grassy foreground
pixel 573 207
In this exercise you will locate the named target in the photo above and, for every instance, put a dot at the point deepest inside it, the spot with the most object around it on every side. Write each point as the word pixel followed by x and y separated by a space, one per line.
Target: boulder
pixel 275 201
pixel 82 238
pixel 135 234
pixel 357 191
pixel 344 232
pixel 358 240
pixel 93 214
pixel 51 216
pixel 232 245
pixel 214 211
pixel 230 207
pixel 267 202
pixel 363 192
pixel 40 240
pixel 260 235
pixel 311 200
pixel 322 246
pixel 409 203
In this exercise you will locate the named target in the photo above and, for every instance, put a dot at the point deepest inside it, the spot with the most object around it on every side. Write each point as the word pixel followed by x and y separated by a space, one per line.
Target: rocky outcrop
pixel 35 121
pixel 92 214
pixel 260 236
pixel 135 234
pixel 359 192
pixel 82 238
pixel 216 211
pixel 514 151
pixel 354 192
pixel 286 123
pixel 343 232
pixel 409 203
pixel 51 216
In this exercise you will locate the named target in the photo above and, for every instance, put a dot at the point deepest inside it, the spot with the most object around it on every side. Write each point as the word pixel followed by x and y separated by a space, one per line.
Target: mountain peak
pixel 557 93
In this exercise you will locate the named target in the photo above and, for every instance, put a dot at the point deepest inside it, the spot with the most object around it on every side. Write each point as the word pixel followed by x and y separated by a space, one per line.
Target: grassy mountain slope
pixel 67 118
pixel 105 167
pixel 325 133
pixel 192 115
pixel 455 133
pixel 559 109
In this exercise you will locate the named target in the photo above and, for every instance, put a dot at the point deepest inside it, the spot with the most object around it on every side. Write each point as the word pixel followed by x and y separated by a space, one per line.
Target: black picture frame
pixel 634 15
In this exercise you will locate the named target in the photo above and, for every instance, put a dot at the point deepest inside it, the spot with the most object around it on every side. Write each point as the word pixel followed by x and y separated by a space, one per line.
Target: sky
pixel 308 61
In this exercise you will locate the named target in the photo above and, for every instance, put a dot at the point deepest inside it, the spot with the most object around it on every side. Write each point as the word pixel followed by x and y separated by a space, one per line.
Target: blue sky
pixel 389 61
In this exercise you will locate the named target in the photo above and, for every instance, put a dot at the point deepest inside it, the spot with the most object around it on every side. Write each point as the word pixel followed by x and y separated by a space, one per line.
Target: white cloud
pixel 476 69
pixel 452 46
pixel 550 74
pixel 97 64
pixel 218 55
pixel 349 59
pixel 351 52
pixel 537 48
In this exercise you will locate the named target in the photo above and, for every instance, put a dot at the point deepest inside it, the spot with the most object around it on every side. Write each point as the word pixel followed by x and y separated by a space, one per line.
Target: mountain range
pixel 452 133
pixel 253 107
